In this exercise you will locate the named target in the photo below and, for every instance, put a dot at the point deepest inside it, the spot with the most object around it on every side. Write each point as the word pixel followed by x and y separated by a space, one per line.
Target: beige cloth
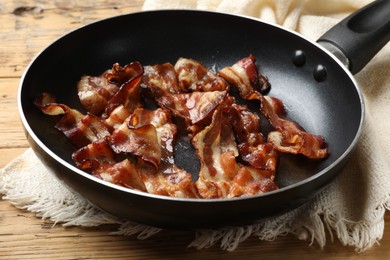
pixel 351 209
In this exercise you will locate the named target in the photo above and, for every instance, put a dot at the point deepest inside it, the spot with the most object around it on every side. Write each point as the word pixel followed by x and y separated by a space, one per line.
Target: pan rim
pixel 74 169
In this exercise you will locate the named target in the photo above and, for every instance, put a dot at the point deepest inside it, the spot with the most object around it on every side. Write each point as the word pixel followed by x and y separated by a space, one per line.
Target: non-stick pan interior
pixel 331 107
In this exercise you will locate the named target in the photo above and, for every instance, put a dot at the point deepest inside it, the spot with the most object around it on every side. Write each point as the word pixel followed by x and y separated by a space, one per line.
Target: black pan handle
pixel 360 36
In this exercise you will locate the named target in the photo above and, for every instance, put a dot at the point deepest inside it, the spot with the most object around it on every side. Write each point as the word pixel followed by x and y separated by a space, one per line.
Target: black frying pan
pixel 318 91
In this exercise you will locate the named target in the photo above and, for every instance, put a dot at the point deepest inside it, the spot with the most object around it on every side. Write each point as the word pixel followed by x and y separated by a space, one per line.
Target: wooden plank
pixel 9 154
pixel 10 124
pixel 24 34
pixel 23 7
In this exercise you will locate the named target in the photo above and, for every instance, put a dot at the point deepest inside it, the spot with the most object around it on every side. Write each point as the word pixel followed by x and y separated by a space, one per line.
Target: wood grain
pixel 27 31
pixel 26 27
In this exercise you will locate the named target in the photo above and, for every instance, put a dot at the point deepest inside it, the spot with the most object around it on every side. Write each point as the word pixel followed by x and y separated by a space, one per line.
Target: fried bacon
pixel 95 91
pixel 195 106
pixel 78 128
pixel 121 75
pixel 193 76
pixel 117 117
pixel 148 135
pixel 216 150
pixel 289 137
pixel 161 79
pixel 123 173
pixel 91 156
pixel 245 76
pixel 99 159
pixel 220 175
pixel 251 145
pixel 251 181
pixel 178 183
pixel 129 96
pixel 138 136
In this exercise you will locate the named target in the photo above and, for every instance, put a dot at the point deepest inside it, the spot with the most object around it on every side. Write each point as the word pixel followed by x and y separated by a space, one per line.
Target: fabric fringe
pixel 68 214
pixel 360 235
pixel 129 228
pixel 42 194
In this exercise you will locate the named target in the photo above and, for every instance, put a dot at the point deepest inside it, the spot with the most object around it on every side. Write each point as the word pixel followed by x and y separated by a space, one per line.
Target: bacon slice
pixel 193 76
pixel 95 91
pixel 137 138
pixel 289 136
pixel 195 106
pixel 220 175
pixel 177 183
pixel 252 148
pixel 168 179
pixel 251 181
pixel 99 159
pixel 91 156
pixel 245 76
pixel 161 79
pixel 78 128
pixel 129 96
pixel 116 117
pixel 121 75
pixel 123 173
pixel 149 134
pixel 216 150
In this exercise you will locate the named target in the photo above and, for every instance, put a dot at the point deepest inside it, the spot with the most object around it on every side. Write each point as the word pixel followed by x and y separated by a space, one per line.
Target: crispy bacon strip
pixel 216 150
pixel 245 76
pixel 193 76
pixel 92 155
pixel 140 140
pixel 161 79
pixel 99 159
pixel 78 128
pixel 149 134
pixel 252 148
pixel 177 183
pixel 168 179
pixel 220 175
pixel 116 117
pixel 251 181
pixel 94 92
pixel 129 96
pixel 289 136
pixel 121 75
pixel 195 106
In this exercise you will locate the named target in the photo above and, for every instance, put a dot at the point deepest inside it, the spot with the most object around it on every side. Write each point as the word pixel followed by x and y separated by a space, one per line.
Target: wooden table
pixel 27 26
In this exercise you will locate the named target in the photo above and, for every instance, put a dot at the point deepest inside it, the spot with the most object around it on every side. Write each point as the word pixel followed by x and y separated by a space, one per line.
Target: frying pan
pixel 318 90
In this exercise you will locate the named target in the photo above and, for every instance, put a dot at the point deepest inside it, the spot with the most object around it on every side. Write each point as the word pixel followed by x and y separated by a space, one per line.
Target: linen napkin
pixel 350 209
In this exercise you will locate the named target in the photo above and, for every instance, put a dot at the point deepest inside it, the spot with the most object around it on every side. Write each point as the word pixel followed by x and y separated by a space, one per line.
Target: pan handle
pixel 357 38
